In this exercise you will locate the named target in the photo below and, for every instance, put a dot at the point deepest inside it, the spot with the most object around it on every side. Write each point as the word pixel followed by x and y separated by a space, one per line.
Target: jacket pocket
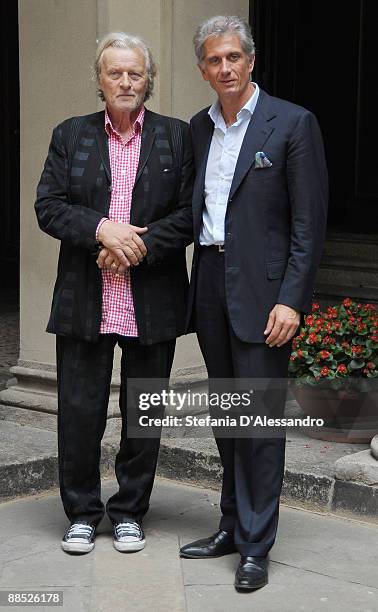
pixel 276 269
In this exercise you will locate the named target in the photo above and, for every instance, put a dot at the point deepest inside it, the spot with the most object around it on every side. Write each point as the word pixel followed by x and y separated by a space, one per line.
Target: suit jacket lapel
pixel 103 148
pixel 148 137
pixel 199 185
pixel 258 132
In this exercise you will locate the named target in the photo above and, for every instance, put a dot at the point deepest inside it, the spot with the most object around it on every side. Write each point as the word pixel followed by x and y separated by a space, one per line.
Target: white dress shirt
pixel 223 155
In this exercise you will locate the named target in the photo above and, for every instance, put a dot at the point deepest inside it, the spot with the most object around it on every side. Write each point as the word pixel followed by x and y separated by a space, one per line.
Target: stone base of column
pixel 34 388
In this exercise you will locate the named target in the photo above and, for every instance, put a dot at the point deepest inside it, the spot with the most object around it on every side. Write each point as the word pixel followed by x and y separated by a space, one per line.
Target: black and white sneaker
pixel 128 537
pixel 79 538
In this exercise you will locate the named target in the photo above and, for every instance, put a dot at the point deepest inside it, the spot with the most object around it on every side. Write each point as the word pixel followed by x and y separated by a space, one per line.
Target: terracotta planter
pixel 348 416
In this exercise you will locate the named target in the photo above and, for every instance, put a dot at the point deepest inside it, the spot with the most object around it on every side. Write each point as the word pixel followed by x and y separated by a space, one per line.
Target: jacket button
pixel 110 188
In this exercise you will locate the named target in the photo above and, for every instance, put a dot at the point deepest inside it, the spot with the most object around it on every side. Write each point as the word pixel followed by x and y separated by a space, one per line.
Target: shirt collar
pixel 138 123
pixel 245 112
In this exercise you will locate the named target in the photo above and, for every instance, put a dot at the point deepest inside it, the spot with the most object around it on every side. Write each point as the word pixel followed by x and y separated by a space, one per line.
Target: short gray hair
pixel 121 40
pixel 223 24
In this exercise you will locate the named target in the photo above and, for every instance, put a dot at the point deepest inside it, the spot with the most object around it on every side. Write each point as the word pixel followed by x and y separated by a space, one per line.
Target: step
pixel 352 245
pixel 28 463
pixel 351 262
pixel 348 275
pixel 332 293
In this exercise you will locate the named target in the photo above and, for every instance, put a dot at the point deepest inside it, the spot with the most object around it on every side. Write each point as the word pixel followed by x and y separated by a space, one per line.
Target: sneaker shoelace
pixel 128 529
pixel 78 530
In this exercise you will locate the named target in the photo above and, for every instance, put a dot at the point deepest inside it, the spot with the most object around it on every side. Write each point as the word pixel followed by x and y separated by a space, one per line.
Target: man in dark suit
pixel 259 212
pixel 116 191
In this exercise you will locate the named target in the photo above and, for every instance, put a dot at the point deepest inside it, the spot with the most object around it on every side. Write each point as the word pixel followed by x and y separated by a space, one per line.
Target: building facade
pixel 306 52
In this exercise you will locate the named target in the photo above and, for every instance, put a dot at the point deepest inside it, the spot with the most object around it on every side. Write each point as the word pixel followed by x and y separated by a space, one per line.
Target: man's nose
pixel 225 66
pixel 125 81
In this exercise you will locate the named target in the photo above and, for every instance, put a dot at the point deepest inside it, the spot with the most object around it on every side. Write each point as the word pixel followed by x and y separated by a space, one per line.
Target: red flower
pixel 347 302
pixel 369 308
pixel 299 353
pixel 324 354
pixel 312 338
pixel 315 307
pixel 357 349
pixel 310 320
pixel 328 340
pixel 292 358
pixel 370 365
pixel 342 368
pixel 324 371
pixel 332 311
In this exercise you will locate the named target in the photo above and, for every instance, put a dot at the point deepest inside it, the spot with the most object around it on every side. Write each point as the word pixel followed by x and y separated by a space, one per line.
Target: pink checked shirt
pixel 118 315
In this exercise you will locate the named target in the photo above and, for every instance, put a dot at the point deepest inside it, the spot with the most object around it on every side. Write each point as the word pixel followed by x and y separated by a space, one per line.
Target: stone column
pixel 57 46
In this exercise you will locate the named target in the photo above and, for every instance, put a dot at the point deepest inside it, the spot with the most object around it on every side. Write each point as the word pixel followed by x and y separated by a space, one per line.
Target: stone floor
pixel 318 563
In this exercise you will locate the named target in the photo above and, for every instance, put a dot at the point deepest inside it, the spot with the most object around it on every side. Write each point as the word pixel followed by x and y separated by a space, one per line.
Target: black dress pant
pixel 253 467
pixel 84 375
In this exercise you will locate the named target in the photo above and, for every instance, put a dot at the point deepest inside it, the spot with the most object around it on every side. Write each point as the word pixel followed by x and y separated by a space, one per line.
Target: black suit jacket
pixel 73 196
pixel 276 216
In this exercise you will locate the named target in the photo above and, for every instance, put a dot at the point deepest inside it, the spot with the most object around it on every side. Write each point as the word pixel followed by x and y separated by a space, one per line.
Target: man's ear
pixel 203 72
pixel 251 63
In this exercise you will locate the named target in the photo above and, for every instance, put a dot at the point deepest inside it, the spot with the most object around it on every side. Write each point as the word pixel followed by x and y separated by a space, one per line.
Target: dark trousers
pixel 253 467
pixel 84 375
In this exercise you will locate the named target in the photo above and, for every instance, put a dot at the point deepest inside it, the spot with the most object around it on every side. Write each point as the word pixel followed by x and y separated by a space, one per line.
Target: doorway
pixel 9 189
pixel 322 55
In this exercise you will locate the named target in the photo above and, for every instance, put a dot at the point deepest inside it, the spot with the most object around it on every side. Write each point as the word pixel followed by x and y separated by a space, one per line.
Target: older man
pixel 116 191
pixel 259 213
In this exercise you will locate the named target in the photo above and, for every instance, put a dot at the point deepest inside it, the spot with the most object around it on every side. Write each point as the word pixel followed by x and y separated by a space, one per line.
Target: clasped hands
pixel 122 246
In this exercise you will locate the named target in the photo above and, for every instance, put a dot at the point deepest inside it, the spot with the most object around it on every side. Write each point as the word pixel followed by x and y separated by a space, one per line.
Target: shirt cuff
pixel 99 225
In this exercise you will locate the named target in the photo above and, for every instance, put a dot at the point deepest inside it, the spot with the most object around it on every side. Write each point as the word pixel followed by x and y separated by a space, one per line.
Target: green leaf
pixel 315 370
pixel 357 364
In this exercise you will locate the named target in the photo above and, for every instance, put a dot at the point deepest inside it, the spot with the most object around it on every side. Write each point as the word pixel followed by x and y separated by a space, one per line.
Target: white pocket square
pixel 262 161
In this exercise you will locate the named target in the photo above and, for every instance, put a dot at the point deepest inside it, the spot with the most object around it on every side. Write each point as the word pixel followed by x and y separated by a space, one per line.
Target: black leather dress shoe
pixel 217 545
pixel 251 574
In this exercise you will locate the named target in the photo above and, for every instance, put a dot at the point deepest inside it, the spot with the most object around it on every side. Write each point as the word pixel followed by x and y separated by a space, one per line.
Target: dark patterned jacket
pixel 74 194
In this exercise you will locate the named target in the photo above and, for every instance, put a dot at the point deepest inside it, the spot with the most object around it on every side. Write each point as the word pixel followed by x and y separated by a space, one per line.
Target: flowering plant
pixel 337 344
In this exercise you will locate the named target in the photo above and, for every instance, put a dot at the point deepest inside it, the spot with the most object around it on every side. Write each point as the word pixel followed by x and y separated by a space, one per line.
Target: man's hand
pixel 282 325
pixel 107 259
pixel 124 241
